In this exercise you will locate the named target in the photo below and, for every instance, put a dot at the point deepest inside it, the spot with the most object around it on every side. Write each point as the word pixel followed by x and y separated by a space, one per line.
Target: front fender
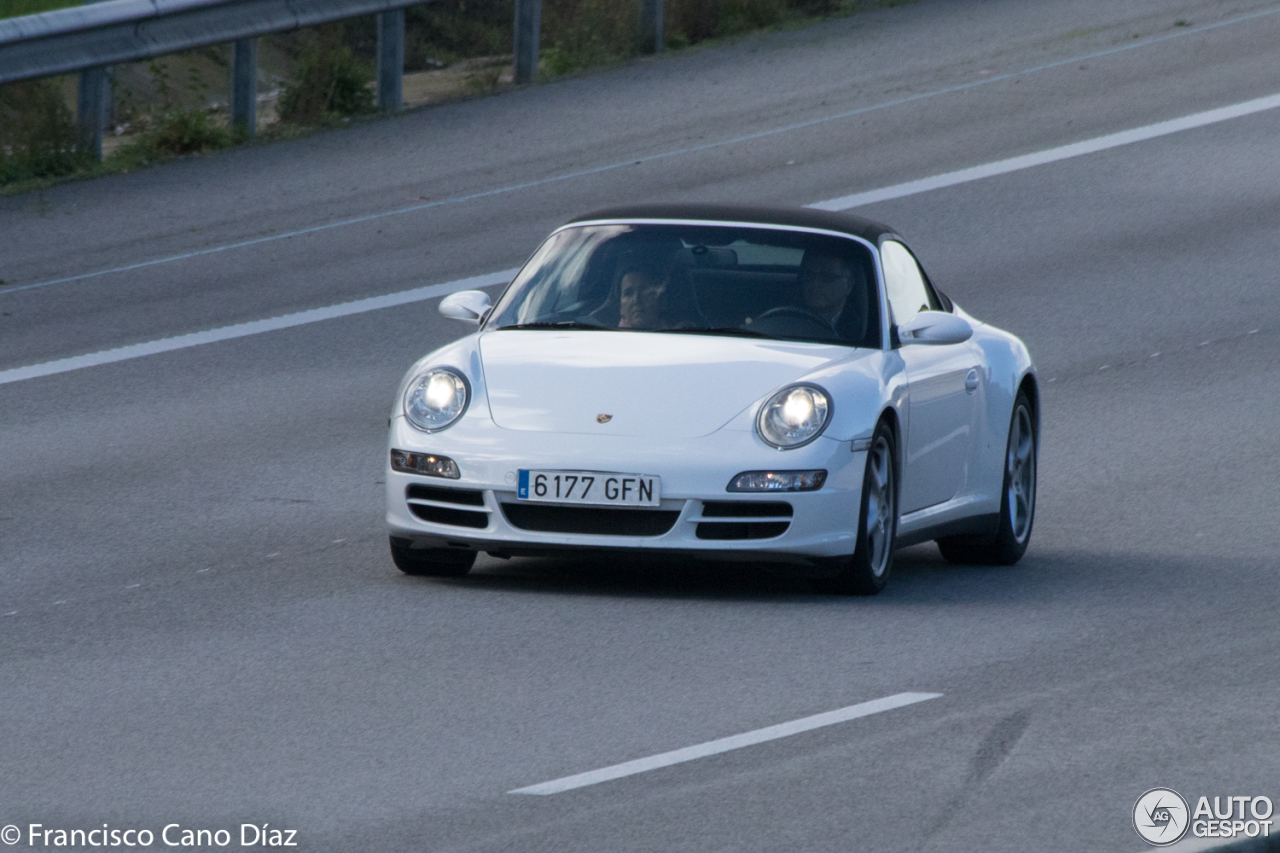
pixel 861 388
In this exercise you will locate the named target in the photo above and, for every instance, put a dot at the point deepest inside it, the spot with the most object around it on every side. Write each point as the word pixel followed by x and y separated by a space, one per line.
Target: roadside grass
pixel 15 8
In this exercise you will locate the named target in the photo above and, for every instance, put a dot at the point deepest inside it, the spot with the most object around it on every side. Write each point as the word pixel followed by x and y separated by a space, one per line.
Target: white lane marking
pixel 706 146
pixel 133 586
pixel 255 327
pixel 715 747
pixel 12 613
pixel 1052 155
pixel 359 306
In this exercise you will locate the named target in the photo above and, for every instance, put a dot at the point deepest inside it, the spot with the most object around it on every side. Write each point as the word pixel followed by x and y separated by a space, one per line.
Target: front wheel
pixel 866 571
pixel 1017 500
pixel 430 562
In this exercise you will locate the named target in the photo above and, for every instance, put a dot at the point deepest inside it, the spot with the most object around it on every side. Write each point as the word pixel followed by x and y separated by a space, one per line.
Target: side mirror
pixel 935 328
pixel 469 306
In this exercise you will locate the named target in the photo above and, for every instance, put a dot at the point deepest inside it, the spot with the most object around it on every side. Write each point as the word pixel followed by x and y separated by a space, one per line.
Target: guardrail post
pixel 244 87
pixel 528 34
pixel 651 23
pixel 91 108
pixel 390 59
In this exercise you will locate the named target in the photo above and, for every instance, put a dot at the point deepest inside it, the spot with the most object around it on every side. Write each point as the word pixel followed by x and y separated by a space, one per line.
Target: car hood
pixel 648 384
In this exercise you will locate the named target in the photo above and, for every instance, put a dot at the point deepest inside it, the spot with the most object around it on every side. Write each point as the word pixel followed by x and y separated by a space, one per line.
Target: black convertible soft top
pixel 799 217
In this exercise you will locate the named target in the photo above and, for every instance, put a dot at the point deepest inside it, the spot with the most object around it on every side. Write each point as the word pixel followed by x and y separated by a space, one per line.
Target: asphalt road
pixel 201 624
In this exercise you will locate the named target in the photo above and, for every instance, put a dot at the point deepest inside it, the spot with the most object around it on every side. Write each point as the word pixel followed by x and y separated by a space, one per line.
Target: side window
pixel 908 294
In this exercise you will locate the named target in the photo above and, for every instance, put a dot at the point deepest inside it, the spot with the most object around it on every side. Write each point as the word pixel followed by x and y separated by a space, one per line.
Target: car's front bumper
pixel 694 472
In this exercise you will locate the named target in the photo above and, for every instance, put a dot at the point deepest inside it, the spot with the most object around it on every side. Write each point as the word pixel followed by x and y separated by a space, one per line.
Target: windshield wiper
pixel 715 330
pixel 563 324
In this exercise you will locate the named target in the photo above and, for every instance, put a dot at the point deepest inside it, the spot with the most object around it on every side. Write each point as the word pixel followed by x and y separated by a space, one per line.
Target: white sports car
pixel 745 383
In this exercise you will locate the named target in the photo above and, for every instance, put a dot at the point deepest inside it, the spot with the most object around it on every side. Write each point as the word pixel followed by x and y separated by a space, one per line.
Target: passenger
pixel 652 292
pixel 642 299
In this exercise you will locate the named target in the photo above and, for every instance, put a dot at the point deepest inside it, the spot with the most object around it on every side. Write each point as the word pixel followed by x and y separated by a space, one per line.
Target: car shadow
pixel 917 570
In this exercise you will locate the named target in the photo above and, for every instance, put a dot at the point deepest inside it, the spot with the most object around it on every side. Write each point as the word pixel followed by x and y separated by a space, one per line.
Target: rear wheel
pixel 430 562
pixel 1017 504
pixel 866 571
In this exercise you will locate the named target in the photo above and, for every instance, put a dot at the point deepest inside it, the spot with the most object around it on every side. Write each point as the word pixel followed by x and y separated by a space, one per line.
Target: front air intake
pixel 595 521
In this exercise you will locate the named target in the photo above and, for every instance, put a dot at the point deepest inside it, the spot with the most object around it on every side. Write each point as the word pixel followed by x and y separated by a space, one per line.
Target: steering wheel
pixel 819 326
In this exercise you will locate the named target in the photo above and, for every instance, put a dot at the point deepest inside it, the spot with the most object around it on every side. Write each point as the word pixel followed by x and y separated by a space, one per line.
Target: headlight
pixel 794 416
pixel 436 399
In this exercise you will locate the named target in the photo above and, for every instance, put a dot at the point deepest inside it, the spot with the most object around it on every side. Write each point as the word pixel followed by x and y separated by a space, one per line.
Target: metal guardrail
pixel 91 38
pixel 82 37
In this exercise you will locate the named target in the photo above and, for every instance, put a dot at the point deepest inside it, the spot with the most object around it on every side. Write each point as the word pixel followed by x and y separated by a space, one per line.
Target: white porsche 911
pixel 746 383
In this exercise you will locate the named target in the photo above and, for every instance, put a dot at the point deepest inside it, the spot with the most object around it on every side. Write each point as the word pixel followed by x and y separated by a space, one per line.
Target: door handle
pixel 971 381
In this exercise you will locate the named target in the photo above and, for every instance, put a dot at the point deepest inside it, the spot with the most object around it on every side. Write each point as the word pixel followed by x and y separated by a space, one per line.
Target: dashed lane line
pixel 726 744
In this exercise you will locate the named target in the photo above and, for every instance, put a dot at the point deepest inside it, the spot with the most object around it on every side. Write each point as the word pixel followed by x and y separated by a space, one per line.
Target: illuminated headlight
pixel 794 416
pixel 778 481
pixel 427 464
pixel 436 399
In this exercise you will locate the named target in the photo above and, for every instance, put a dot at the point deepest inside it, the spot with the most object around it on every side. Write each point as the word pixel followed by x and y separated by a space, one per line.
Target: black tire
pixel 867 570
pixel 430 562
pixel 1017 499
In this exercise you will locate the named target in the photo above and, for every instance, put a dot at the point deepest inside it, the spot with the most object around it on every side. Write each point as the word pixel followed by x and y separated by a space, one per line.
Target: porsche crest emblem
pixel 603 419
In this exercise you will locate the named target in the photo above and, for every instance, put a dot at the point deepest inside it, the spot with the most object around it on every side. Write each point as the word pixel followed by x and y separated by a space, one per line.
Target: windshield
pixel 698 279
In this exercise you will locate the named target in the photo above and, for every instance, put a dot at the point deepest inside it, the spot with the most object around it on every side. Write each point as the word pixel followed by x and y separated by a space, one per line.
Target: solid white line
pixel 715 747
pixel 255 327
pixel 360 306
pixel 1052 155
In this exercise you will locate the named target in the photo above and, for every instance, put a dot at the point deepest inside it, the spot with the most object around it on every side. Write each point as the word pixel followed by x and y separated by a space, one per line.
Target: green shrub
pixel 188 132
pixel 740 16
pixel 329 82
pixel 582 33
pixel 38 136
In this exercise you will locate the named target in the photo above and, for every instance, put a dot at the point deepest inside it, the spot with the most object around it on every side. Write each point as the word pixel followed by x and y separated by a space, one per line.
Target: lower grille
pixel 440 494
pixel 746 509
pixel 741 529
pixel 590 520
pixel 456 517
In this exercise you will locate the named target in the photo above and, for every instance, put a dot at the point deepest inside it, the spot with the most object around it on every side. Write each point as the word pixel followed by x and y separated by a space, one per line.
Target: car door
pixel 943 389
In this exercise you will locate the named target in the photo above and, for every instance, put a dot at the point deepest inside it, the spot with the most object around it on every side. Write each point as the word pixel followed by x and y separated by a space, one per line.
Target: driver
pixel 825 280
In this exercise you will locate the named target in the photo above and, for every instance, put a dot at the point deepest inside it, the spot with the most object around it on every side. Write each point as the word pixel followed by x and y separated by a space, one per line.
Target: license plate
pixel 589 487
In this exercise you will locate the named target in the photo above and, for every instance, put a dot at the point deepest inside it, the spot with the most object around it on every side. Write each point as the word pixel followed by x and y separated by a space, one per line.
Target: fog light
pixel 778 481
pixel 424 464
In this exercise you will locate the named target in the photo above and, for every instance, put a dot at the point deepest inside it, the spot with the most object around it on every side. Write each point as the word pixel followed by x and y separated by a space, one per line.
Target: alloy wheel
pixel 1020 473
pixel 879 507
